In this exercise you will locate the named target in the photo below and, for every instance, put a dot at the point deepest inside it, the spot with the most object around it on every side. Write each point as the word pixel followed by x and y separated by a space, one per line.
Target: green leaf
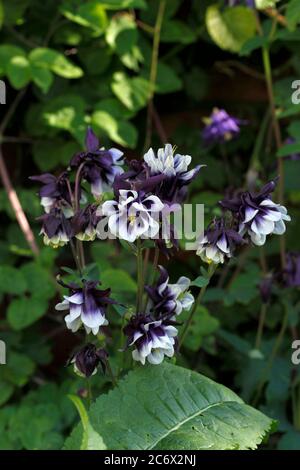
pixel 200 281
pixel 50 59
pixel 119 4
pixel 203 324
pixel 262 4
pixel 230 29
pixel 67 113
pixel 12 280
pixel 39 281
pixel 25 311
pixel 91 440
pixel 174 409
pixel 167 81
pixel 18 369
pixel 14 10
pixel 19 71
pixel 118 280
pixel 256 42
pixel 7 52
pixel 292 14
pixel 6 391
pixel 290 441
pixel 43 78
pixel 121 132
pixel 49 154
pixel 122 36
pixel 132 92
pixel 90 14
pixel 288 149
pixel 177 31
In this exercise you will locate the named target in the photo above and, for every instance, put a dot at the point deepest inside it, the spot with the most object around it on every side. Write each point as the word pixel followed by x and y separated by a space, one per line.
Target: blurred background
pixel 143 73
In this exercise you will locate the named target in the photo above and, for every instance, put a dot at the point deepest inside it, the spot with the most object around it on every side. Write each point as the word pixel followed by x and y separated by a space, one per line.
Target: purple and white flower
pixel 56 228
pixel 218 242
pixel 220 127
pixel 170 299
pixel 87 360
pixel 175 168
pixel 55 192
pixel 258 215
pixel 152 339
pixel 134 216
pixel 99 167
pixel 87 307
pixel 85 223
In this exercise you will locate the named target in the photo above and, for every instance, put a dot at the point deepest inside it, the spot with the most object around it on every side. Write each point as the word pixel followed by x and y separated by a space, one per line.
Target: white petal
pixel 64 305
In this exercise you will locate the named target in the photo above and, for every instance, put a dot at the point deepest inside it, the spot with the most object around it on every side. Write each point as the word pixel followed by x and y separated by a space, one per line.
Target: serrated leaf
pixel 231 28
pixel 168 407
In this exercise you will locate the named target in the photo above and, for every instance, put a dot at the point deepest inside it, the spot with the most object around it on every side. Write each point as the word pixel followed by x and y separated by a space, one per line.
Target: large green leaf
pixel 231 28
pixel 25 311
pixel 132 92
pixel 168 407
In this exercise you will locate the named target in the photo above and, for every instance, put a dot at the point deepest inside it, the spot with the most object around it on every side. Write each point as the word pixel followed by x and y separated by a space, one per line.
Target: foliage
pixel 74 64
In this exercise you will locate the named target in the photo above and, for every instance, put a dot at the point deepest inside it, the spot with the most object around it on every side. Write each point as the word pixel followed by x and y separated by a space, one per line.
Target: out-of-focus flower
pixel 258 215
pixel 55 192
pixel 265 288
pixel 218 242
pixel 234 3
pixel 220 127
pixel 292 156
pixel 87 306
pixel 292 270
pixel 152 339
pixel 85 222
pixel 169 299
pixel 133 216
pixel 87 360
pixel 99 167
pixel 56 228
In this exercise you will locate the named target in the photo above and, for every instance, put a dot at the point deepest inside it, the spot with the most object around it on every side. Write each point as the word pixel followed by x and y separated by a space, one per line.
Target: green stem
pixel 153 69
pixel 140 277
pixel 261 324
pixel 277 132
pixel 274 353
pixel 89 391
pixel 197 302
pixel 113 378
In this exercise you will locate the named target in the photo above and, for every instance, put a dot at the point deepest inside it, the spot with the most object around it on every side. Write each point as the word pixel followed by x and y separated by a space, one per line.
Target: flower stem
pixel 113 378
pixel 261 324
pixel 153 69
pixel 140 277
pixel 274 353
pixel 197 302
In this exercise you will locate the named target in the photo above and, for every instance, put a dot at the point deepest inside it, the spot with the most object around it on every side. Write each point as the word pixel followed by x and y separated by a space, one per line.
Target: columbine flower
pixel 248 3
pixel 174 167
pixel 99 166
pixel 56 228
pixel 152 339
pixel 170 299
pixel 220 127
pixel 132 216
pixel 265 288
pixel 292 270
pixel 87 360
pixel 55 192
pixel 87 306
pixel 258 215
pixel 218 242
pixel 85 223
